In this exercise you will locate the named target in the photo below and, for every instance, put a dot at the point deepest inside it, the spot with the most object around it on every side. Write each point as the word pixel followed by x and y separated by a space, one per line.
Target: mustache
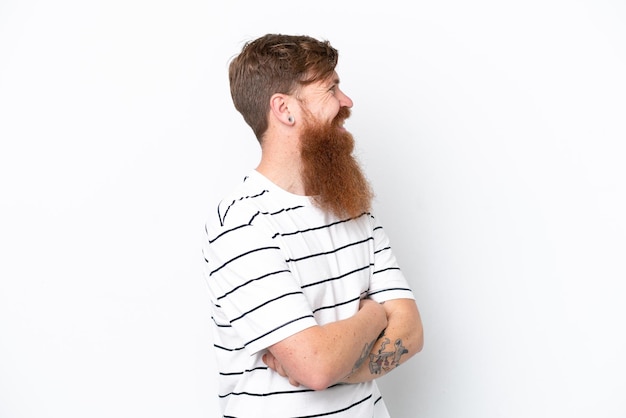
pixel 343 114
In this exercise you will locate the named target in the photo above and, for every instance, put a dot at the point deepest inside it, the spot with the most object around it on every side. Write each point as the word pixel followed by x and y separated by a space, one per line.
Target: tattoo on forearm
pixel 364 354
pixel 383 361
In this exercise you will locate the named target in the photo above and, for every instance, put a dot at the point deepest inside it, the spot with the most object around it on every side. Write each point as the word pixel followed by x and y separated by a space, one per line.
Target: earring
pixel 290 119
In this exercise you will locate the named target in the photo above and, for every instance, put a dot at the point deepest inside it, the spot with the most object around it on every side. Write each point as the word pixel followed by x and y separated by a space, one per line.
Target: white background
pixel 492 131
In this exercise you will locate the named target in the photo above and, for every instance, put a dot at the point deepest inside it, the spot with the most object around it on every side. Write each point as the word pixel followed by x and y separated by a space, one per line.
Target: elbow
pixel 413 344
pixel 414 340
pixel 323 372
pixel 320 379
pixel 417 336
pixel 321 384
pixel 419 341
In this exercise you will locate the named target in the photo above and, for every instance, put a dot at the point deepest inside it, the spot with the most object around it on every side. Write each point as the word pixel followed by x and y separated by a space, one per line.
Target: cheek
pixel 332 110
pixel 326 110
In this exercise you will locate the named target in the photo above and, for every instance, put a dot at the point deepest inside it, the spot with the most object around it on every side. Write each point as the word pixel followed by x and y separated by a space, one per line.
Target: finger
pixel 266 360
pixel 279 369
pixel 270 361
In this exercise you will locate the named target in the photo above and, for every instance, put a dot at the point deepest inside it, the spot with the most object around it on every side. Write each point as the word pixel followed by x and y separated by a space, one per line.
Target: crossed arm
pixel 378 338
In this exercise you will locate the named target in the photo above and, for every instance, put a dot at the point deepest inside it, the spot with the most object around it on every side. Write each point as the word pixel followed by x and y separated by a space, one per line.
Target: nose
pixel 344 100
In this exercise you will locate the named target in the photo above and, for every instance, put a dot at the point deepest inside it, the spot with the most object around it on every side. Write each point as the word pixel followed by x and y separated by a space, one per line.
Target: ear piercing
pixel 290 119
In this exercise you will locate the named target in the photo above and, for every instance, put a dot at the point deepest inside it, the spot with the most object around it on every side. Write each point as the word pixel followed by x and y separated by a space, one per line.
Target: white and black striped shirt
pixel 276 265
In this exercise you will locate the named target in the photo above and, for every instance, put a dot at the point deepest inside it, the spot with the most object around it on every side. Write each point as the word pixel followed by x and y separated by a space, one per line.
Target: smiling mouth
pixel 340 119
pixel 339 123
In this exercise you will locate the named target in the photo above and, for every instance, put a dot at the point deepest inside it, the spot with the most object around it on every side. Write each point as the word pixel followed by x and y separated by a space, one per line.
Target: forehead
pixel 331 79
pixel 323 84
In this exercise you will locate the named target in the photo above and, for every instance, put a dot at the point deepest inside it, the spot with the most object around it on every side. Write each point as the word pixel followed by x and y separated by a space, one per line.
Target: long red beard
pixel 331 174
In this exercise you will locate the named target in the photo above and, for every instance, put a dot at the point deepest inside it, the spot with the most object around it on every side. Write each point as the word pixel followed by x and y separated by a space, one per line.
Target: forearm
pixel 354 344
pixel 321 356
pixel 402 339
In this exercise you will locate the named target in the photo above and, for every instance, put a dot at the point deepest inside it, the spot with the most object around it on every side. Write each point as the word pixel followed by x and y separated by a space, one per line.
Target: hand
pixel 272 363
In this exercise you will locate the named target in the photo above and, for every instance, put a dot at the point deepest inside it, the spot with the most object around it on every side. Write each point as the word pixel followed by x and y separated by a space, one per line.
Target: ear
pixel 279 106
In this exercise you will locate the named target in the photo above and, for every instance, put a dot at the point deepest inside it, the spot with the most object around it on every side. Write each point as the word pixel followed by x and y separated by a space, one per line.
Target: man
pixel 308 303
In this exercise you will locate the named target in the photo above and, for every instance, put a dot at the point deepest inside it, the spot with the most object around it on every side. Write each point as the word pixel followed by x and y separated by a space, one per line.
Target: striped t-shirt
pixel 276 265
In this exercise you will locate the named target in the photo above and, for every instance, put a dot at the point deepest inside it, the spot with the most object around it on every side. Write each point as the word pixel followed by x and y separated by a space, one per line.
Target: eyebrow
pixel 333 81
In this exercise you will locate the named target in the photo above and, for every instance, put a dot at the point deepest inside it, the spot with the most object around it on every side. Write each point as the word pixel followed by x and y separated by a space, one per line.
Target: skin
pixel 321 356
pixel 351 350
pixel 402 339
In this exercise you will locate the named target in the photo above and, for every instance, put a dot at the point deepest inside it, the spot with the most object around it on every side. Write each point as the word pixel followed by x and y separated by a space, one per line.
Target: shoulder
pixel 237 205
pixel 245 200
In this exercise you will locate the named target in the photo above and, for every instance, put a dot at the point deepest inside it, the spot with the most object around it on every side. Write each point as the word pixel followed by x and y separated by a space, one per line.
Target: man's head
pixel 273 64
pixel 292 81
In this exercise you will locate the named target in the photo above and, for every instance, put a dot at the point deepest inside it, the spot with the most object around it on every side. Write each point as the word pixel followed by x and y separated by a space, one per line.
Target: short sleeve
pixel 252 287
pixel 388 281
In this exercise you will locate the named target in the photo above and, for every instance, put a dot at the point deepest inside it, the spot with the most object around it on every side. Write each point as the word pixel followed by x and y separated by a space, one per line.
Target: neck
pixel 281 165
